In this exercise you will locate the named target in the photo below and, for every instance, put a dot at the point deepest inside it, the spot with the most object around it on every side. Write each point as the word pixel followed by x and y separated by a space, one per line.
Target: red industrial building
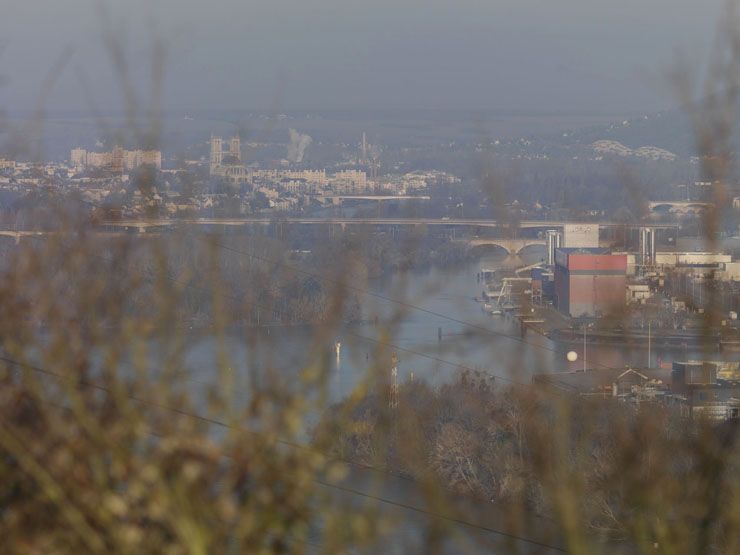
pixel 589 282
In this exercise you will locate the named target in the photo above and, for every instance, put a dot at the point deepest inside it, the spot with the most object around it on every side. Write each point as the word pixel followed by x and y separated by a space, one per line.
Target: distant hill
pixel 616 148
pixel 656 136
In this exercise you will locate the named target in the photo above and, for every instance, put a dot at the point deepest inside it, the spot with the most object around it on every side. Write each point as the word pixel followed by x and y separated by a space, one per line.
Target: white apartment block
pixel 349 181
pixel 317 177
pixel 126 159
pixel 78 157
pixel 134 158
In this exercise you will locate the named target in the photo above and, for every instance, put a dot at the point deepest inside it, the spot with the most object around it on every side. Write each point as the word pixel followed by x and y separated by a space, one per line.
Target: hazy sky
pixel 607 56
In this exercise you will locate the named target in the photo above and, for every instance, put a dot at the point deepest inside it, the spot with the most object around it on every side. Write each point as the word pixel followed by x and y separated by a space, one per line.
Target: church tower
pixel 235 148
pixel 217 152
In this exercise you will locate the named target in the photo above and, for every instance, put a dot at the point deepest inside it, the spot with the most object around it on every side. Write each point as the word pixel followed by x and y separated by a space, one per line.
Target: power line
pixel 380 296
pixel 302 446
pixel 369 339
pixel 212 421
pixel 402 303
pixel 433 358
pixel 444 517
pixel 387 344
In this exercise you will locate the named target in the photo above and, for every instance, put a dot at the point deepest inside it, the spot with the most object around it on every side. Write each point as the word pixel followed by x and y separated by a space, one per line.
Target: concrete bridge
pixel 119 227
pixel 17 235
pixel 511 246
pixel 339 199
pixel 143 225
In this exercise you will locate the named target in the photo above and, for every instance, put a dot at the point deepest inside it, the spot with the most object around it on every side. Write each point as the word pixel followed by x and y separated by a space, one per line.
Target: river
pixel 427 300
pixel 422 304
pixel 425 303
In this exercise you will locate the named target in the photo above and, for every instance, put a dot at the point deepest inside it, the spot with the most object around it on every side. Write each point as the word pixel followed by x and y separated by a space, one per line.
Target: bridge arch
pixel 679 206
pixel 532 244
pixel 510 246
pixel 490 246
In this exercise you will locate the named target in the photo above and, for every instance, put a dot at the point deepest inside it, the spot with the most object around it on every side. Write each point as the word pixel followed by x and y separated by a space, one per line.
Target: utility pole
pixel 584 347
pixel 393 402
pixel 649 343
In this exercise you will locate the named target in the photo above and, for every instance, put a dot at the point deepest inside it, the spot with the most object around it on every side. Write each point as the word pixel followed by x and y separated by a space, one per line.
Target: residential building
pixel 117 160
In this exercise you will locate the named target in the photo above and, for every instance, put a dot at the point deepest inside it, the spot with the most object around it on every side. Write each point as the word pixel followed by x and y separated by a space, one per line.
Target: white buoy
pixel 572 356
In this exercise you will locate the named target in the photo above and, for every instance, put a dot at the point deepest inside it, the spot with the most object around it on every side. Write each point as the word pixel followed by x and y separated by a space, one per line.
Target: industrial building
pixel 543 285
pixel 589 282
pixel 582 236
